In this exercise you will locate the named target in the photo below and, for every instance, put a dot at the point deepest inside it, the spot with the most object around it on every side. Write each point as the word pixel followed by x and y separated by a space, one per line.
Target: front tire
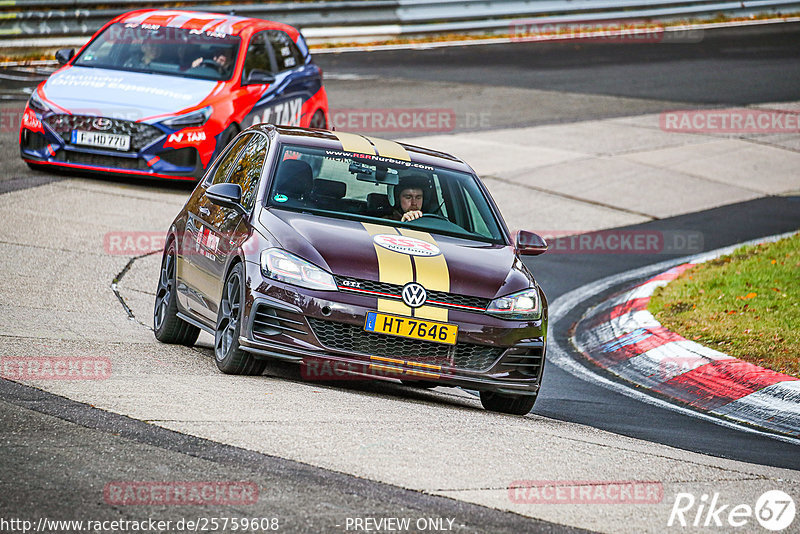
pixel 230 358
pixel 510 404
pixel 167 326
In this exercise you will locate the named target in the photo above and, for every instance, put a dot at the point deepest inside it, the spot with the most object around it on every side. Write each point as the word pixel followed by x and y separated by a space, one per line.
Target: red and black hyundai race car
pixel 356 257
pixel 161 93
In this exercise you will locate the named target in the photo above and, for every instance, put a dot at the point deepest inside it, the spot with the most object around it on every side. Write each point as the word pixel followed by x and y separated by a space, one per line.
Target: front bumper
pixel 324 331
pixel 47 143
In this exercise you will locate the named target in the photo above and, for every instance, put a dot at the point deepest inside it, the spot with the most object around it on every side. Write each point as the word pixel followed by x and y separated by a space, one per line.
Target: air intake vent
pixel 527 360
pixel 270 321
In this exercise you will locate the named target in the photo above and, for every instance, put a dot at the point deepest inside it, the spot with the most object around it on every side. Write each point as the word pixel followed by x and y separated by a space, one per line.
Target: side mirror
pixel 530 244
pixel 64 55
pixel 226 195
pixel 257 76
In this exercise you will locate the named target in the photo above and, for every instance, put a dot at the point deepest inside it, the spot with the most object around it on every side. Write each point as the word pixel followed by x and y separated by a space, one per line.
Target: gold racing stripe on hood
pixel 354 143
pixel 393 268
pixel 390 149
pixel 433 274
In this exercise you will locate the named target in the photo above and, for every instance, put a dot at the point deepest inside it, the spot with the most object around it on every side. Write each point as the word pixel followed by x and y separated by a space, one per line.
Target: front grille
pixel 395 290
pixel 352 338
pixel 270 321
pixel 97 160
pixel 141 134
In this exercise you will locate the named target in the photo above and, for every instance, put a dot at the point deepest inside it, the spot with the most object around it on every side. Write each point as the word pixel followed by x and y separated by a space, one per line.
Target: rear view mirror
pixel 227 195
pixel 375 175
pixel 64 55
pixel 530 244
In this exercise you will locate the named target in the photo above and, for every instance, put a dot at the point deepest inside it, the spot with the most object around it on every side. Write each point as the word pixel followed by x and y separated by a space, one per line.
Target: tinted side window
pixel 221 172
pixel 287 54
pixel 248 169
pixel 257 55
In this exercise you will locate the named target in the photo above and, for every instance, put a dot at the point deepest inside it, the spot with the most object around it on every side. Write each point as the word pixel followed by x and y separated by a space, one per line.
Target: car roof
pixel 200 20
pixel 358 143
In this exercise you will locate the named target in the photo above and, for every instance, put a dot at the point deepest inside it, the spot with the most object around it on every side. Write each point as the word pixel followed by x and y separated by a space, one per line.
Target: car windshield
pixel 354 186
pixel 162 50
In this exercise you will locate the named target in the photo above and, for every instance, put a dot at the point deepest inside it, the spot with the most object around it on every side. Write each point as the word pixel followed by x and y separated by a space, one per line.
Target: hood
pixel 348 248
pixel 123 95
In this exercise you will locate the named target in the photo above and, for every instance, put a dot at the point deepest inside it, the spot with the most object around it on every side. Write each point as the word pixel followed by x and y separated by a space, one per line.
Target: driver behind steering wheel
pixel 221 61
pixel 409 197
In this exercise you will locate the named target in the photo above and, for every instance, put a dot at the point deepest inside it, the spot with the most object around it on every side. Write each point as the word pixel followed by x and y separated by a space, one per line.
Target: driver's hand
pixel 411 215
pixel 197 62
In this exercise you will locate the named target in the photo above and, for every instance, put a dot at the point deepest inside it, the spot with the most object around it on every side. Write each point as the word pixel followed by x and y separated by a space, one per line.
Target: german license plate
pixel 411 327
pixel 101 140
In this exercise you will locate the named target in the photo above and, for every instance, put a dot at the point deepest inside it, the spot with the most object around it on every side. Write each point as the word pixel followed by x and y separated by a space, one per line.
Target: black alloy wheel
pixel 230 358
pixel 167 326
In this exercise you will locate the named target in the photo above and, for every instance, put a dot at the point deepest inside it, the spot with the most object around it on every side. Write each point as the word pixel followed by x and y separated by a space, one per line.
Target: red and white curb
pixel 621 336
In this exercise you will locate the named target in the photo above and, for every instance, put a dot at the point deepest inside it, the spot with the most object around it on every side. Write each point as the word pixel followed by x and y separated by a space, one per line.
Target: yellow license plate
pixel 411 327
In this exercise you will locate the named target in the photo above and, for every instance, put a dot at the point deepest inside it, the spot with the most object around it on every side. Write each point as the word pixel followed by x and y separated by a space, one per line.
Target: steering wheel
pixel 431 215
pixel 210 63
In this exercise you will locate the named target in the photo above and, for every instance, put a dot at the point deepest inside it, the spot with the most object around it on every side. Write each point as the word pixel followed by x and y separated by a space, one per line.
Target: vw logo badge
pixel 414 295
pixel 101 123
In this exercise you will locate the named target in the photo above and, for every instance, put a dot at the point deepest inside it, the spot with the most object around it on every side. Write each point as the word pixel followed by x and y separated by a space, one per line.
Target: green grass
pixel 746 305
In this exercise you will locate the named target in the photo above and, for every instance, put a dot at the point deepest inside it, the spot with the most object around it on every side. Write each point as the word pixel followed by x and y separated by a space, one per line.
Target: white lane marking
pixel 344 76
pixel 761 404
pixel 561 306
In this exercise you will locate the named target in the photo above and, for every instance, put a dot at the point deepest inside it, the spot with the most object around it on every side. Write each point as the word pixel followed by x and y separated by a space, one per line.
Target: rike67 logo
pixel 774 510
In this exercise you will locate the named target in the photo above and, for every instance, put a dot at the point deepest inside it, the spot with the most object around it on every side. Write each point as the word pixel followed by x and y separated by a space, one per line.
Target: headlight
pixel 281 265
pixel 37 104
pixel 193 118
pixel 524 305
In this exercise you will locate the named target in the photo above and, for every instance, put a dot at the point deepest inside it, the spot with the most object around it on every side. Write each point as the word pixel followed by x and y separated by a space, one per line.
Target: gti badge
pixel 101 123
pixel 414 295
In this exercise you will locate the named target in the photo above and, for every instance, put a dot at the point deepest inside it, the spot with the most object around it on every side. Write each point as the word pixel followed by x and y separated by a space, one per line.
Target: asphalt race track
pixel 600 408
pixel 58 453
